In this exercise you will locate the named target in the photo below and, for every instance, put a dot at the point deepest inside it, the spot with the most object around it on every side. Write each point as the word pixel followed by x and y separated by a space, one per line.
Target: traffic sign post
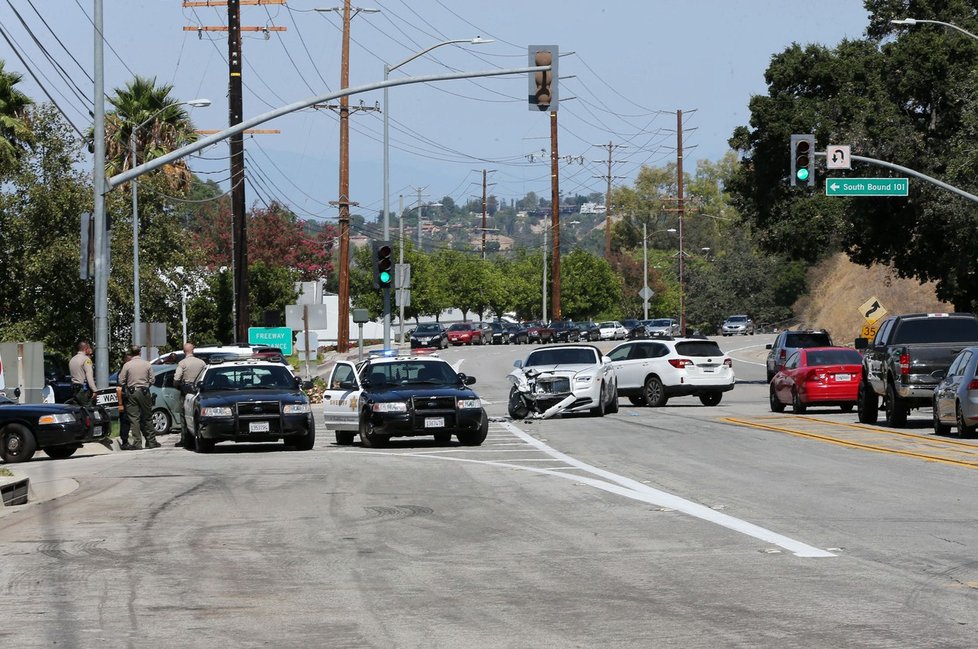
pixel 867 187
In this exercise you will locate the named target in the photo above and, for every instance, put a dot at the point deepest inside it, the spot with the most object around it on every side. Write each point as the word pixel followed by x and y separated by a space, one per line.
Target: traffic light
pixel 543 85
pixel 383 264
pixel 803 160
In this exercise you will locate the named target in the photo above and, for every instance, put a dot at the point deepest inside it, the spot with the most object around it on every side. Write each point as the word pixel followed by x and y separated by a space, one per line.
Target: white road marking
pixel 743 349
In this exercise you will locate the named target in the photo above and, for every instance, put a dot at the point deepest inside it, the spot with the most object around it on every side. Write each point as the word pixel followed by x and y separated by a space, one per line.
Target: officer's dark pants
pixel 83 396
pixel 139 409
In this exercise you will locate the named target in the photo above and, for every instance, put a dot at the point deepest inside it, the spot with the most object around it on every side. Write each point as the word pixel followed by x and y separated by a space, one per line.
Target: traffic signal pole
pixel 554 219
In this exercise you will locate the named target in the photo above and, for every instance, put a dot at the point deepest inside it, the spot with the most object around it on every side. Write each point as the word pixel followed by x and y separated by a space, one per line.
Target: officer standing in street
pixel 135 378
pixel 82 375
pixel 188 371
pixel 123 417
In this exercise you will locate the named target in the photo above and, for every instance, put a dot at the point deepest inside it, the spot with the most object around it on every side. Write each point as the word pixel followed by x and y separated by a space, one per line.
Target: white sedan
pixel 555 379
pixel 613 330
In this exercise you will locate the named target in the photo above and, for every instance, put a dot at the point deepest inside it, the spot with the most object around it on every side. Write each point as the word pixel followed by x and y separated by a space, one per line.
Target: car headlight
pixel 60 418
pixel 584 380
pixel 296 409
pixel 465 404
pixel 217 411
pixel 392 406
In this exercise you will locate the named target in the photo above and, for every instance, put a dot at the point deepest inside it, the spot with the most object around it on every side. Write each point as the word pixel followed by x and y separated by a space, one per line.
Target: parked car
pixel 402 396
pixel 790 341
pixel 956 396
pixel 57 429
pixel 817 376
pixel 650 372
pixel 500 333
pixel 590 331
pixel 634 329
pixel 565 332
pixel 430 334
pixel 512 332
pixel 736 325
pixel 558 379
pixel 612 330
pixel 663 327
pixel 237 351
pixel 167 400
pixel 520 334
pixel 248 401
pixel 465 333
pixel 538 332
pixel 905 359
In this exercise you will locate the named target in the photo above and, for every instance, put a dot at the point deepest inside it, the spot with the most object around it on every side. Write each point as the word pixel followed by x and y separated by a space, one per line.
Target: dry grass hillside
pixel 837 288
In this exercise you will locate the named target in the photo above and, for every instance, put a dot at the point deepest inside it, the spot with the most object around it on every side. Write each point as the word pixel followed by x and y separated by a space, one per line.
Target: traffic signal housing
pixel 383 257
pixel 543 85
pixel 803 160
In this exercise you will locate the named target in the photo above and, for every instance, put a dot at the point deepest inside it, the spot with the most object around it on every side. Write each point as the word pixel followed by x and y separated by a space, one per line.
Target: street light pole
pixel 645 271
pixel 136 339
pixel 914 21
pixel 387 173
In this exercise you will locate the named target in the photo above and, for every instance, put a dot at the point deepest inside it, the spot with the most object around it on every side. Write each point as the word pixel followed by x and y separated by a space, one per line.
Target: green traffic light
pixel 385 277
pixel 802 174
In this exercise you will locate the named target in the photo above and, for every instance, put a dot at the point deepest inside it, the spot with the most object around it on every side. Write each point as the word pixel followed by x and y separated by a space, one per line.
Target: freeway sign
pixel 867 186
pixel 280 337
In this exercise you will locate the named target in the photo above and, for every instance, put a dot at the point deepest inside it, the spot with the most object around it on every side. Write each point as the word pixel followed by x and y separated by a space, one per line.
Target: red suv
pixel 465 333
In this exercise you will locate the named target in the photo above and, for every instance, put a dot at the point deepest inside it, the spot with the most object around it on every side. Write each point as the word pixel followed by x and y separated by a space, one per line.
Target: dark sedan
pixel 590 331
pixel 430 334
pixel 500 333
pixel 565 332
pixel 57 429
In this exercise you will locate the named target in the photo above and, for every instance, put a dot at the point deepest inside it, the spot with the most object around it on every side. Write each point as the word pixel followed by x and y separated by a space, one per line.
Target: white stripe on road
pixel 743 349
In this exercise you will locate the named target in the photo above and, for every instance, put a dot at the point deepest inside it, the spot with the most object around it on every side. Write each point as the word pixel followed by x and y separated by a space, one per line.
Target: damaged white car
pixel 558 379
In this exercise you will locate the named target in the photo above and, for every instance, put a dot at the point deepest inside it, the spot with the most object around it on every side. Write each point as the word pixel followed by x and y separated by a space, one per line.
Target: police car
pixel 248 401
pixel 402 396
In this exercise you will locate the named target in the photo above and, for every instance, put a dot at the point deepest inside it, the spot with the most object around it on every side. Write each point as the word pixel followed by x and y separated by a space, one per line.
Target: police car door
pixel 341 398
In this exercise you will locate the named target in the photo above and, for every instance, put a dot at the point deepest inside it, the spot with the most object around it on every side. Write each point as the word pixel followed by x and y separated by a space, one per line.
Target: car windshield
pixel 460 326
pixel 698 348
pixel 428 372
pixel 578 356
pixel 737 318
pixel 428 329
pixel 662 322
pixel 804 340
pixel 248 378
pixel 834 357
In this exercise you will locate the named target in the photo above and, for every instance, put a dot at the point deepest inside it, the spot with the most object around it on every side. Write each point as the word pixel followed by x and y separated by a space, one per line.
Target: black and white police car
pixel 403 396
pixel 248 401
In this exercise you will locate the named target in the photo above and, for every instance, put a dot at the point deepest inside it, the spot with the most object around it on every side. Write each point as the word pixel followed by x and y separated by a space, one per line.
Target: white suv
pixel 651 371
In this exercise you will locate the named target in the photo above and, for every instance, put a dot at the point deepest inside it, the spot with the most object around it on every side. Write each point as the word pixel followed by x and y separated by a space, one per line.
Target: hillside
pixel 837 288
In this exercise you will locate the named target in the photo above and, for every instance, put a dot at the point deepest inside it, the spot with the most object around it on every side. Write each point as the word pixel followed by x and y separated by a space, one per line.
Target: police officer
pixel 188 371
pixel 123 418
pixel 135 378
pixel 82 376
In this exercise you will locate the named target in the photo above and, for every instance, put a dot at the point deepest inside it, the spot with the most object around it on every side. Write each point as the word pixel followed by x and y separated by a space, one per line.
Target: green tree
pixel 589 287
pixel 15 135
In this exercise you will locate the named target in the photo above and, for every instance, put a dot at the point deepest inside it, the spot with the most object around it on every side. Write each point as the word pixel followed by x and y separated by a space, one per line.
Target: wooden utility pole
pixel 611 146
pixel 485 212
pixel 554 219
pixel 680 207
pixel 343 326
pixel 239 220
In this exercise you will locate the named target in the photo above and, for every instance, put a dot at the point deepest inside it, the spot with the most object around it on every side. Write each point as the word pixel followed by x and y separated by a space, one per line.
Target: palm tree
pixel 15 135
pixel 169 128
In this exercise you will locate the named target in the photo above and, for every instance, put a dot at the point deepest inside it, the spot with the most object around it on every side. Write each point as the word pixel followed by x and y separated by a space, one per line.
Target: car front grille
pixel 423 404
pixel 258 409
pixel 553 385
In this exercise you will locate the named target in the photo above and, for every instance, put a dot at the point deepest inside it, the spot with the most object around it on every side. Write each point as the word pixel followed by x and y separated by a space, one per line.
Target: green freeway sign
pixel 280 337
pixel 867 186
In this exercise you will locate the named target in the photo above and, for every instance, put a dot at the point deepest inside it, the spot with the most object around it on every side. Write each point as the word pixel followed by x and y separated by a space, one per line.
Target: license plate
pixel 843 377
pixel 434 422
pixel 258 427
pixel 709 369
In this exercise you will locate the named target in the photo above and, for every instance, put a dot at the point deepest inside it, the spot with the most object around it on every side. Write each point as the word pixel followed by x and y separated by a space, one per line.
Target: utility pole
pixel 611 146
pixel 98 212
pixel 343 326
pixel 400 254
pixel 680 207
pixel 555 218
pixel 544 320
pixel 239 217
pixel 485 211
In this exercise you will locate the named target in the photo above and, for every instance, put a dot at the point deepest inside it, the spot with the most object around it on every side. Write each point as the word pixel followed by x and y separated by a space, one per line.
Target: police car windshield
pixel 248 378
pixel 412 372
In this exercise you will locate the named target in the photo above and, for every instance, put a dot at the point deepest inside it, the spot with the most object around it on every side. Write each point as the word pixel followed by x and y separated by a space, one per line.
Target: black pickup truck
pixel 905 360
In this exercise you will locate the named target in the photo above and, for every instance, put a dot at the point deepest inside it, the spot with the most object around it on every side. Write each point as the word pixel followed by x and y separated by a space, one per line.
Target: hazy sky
pixel 634 63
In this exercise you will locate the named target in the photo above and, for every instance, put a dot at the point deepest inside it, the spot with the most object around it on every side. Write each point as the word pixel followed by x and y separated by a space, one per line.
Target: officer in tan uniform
pixel 188 371
pixel 135 378
pixel 82 376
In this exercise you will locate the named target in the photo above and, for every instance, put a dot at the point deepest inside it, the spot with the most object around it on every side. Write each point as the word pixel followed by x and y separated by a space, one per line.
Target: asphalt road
pixel 682 526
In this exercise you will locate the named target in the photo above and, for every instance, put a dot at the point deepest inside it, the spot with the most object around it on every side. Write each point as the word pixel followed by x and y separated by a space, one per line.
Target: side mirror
pixel 307 385
pixel 768 346
pixel 605 359
pixel 468 380
pixel 347 385
pixel 199 386
pixel 518 363
pixel 861 343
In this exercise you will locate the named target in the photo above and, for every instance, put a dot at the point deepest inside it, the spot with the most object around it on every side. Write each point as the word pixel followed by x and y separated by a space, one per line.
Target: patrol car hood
pixel 32 409
pixel 230 397
pixel 406 392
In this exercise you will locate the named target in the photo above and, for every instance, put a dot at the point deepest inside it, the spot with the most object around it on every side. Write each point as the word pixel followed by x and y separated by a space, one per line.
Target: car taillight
pixel 680 363
pixel 727 362
pixel 973 385
pixel 783 355
pixel 904 364
pixel 815 375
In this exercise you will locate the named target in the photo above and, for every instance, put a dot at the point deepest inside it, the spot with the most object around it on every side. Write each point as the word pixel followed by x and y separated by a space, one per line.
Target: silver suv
pixel 788 342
